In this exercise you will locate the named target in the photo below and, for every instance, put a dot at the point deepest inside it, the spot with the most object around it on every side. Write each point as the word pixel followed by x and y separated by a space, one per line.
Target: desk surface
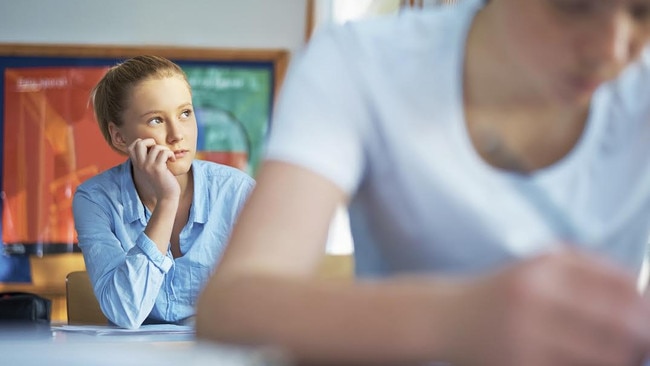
pixel 39 345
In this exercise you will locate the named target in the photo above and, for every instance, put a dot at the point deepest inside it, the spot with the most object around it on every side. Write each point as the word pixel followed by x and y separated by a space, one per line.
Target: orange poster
pixel 51 145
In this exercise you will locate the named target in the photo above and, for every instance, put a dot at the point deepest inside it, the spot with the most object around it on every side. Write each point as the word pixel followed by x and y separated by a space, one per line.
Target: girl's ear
pixel 117 139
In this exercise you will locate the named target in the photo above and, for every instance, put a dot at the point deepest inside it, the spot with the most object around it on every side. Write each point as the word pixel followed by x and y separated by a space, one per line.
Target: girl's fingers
pixel 140 148
pixel 163 155
pixel 158 157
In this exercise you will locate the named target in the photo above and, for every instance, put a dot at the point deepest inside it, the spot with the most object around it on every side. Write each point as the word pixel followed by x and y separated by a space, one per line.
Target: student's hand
pixel 564 308
pixel 150 168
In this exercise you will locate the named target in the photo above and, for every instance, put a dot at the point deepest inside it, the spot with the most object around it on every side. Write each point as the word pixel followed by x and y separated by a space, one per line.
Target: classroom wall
pixel 200 23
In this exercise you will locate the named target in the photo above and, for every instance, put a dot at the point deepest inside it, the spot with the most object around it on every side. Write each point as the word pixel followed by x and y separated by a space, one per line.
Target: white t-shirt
pixel 376 107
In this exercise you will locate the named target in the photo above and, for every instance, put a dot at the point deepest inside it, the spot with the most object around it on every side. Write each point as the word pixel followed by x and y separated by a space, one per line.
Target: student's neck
pixel 512 124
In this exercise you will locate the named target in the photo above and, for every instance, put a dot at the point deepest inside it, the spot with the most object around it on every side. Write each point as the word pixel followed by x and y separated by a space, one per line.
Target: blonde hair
pixel 109 97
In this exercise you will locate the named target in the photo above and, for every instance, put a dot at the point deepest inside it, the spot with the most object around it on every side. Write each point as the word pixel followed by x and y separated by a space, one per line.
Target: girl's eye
pixel 155 121
pixel 186 113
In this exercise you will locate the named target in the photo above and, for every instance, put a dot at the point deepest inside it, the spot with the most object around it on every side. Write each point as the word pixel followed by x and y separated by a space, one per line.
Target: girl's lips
pixel 180 153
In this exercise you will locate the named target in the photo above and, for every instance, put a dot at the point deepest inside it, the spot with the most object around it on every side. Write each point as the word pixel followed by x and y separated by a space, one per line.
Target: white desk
pixel 39 346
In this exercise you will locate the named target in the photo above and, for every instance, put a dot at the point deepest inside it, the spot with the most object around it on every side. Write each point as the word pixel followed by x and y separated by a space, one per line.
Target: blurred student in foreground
pixel 153 228
pixel 494 157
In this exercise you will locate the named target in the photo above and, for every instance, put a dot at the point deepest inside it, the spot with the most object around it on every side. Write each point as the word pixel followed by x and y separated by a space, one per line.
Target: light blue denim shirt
pixel 132 280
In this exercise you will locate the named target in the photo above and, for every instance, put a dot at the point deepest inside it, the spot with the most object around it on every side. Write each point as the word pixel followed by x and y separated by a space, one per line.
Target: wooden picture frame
pixel 279 58
pixel 36 223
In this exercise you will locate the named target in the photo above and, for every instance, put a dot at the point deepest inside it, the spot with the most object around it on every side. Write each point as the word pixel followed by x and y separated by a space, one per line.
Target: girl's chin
pixel 179 167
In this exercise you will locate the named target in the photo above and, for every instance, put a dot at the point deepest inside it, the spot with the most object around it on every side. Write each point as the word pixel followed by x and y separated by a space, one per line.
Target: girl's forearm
pixel 160 225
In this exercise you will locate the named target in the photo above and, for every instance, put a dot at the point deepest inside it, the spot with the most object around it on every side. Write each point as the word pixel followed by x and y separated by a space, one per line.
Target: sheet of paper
pixel 148 329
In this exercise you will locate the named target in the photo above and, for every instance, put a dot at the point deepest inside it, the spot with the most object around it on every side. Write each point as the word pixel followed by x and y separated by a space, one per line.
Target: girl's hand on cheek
pixel 150 168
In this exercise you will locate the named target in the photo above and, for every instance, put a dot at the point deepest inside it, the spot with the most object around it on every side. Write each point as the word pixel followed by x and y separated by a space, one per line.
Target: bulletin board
pixel 51 142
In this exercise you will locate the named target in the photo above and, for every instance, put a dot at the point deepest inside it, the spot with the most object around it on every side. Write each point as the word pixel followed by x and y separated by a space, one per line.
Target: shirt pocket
pixel 199 275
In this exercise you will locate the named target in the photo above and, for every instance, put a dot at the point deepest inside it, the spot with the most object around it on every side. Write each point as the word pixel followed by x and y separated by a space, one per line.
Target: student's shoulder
pixel 360 35
pixel 389 38
pixel 105 182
